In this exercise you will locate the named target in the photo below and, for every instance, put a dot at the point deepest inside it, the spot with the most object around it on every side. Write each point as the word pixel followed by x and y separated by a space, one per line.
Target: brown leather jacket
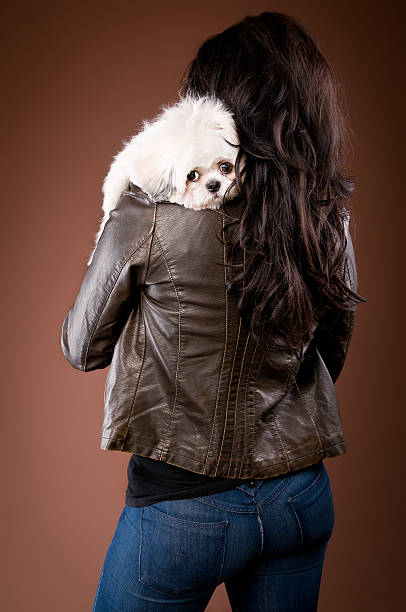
pixel 187 384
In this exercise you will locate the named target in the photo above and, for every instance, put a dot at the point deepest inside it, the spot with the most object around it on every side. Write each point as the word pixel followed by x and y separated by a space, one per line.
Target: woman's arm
pixel 110 287
pixel 333 335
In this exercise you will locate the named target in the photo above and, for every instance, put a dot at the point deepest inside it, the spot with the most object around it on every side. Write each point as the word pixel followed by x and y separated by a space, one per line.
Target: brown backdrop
pixel 78 77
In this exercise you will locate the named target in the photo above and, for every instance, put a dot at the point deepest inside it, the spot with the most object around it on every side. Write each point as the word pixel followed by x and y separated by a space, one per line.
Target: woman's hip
pixel 183 549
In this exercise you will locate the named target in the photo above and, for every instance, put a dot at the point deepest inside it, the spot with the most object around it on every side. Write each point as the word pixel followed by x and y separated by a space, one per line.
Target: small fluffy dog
pixel 186 155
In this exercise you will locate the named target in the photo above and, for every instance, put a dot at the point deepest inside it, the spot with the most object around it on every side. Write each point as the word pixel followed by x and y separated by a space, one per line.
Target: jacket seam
pixel 145 337
pixel 238 385
pixel 222 362
pixel 236 395
pixel 302 395
pixel 163 203
pixel 165 446
pixel 143 240
pixel 276 429
pixel 254 409
pixel 273 420
pixel 219 212
pixel 248 386
pixel 246 381
pixel 318 451
pixel 238 389
pixel 273 415
pixel 294 458
pixel 150 246
pixel 228 397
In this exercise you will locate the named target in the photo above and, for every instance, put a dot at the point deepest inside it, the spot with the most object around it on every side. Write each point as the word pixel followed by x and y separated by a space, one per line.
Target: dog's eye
pixel 226 167
pixel 193 176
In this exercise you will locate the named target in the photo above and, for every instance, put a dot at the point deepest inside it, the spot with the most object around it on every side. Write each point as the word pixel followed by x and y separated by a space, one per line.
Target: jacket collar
pixel 234 206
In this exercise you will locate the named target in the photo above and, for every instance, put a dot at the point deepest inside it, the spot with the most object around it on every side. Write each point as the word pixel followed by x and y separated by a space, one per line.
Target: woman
pixel 225 332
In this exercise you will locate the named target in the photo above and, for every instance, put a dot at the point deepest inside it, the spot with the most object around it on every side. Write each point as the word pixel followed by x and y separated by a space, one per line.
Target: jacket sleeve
pixel 111 285
pixel 334 332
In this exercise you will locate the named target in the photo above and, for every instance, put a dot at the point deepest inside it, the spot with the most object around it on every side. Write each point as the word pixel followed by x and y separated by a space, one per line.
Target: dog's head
pixel 185 155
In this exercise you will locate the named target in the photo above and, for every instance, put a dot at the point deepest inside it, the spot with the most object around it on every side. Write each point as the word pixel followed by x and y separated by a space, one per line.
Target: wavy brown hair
pixel 270 74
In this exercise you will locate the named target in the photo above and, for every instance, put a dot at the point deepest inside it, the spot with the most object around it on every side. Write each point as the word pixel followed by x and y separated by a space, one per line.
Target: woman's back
pixel 187 382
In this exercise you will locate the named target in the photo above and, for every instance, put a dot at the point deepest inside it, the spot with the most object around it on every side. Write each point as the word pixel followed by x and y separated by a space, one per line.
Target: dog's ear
pixel 146 161
pixel 152 170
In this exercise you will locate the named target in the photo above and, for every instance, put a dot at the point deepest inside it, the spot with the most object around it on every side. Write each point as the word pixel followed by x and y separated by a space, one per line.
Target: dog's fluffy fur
pixel 194 134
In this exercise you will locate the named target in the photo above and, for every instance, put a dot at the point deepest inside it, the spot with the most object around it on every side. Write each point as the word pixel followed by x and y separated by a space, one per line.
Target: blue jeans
pixel 266 542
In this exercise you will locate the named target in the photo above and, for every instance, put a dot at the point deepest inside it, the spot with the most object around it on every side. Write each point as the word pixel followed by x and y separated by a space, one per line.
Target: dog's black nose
pixel 213 186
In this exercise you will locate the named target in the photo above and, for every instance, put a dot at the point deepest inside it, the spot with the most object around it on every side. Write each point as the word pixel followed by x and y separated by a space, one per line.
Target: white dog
pixel 186 155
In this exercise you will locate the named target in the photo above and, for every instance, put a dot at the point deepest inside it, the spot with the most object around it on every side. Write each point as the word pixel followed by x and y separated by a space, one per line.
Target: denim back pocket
pixel 314 510
pixel 178 556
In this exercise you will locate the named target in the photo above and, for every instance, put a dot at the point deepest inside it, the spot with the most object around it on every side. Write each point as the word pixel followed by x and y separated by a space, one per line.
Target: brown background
pixel 78 78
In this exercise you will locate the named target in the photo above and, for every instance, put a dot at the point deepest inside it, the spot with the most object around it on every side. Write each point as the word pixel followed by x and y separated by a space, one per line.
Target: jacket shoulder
pixel 134 213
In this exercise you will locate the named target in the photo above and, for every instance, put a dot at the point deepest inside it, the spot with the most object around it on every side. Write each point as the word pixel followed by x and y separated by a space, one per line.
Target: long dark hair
pixel 270 74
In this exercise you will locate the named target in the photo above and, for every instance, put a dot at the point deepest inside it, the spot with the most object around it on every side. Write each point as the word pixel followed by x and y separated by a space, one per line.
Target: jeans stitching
pixel 203 525
pixel 278 492
pixel 310 485
pixel 261 529
pixel 222 543
pixel 297 520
